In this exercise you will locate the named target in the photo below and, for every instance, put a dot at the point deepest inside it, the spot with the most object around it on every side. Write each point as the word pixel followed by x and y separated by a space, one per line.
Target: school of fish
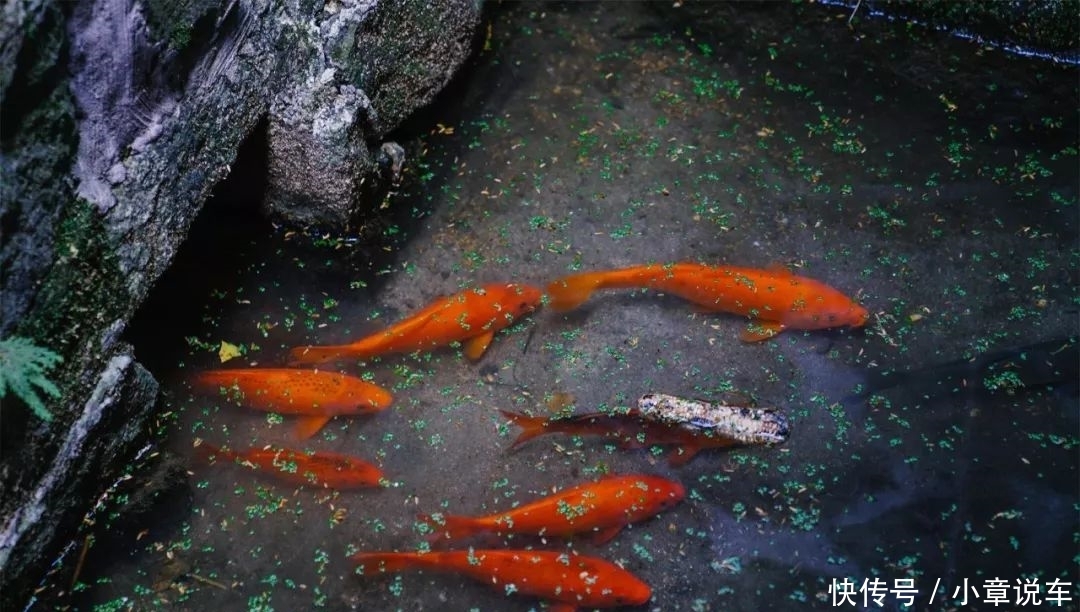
pixel 772 300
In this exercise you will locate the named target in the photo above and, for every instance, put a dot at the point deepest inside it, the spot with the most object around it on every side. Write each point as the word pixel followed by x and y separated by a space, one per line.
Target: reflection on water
pixel 934 181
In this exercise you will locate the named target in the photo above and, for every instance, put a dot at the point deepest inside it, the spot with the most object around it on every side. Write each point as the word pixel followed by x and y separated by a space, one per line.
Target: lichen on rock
pixel 119 118
pixel 368 65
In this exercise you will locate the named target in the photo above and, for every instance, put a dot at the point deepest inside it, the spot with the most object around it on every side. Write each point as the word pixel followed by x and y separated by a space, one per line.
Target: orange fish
pixel 567 581
pixel 331 470
pixel 603 508
pixel 775 299
pixel 629 430
pixel 471 316
pixel 317 396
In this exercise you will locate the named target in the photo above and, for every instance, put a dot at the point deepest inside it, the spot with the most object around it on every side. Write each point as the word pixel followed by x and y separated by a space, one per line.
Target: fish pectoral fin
pixel 682 455
pixel 309 426
pixel 761 331
pixel 605 535
pixel 702 309
pixel 477 345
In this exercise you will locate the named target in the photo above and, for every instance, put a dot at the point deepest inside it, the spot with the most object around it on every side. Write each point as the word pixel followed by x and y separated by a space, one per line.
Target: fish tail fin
pixel 451 527
pixel 372 563
pixel 532 427
pixel 570 292
pixel 208 381
pixel 209 453
pixel 311 355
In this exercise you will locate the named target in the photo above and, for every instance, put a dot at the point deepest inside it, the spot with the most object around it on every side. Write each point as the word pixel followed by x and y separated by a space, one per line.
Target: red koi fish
pixel 566 581
pixel 316 396
pixel 471 316
pixel 330 470
pixel 602 508
pixel 629 430
pixel 775 299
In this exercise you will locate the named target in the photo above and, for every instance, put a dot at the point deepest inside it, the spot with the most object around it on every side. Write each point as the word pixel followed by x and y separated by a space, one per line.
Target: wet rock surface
pixel 96 444
pixel 118 120
pixel 364 68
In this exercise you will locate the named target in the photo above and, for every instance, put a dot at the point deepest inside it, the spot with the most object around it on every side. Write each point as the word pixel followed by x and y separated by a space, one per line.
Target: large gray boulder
pixel 370 63
pixel 118 118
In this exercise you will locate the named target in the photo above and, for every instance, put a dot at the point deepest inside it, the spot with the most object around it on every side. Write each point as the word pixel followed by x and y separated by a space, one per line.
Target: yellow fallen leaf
pixel 228 351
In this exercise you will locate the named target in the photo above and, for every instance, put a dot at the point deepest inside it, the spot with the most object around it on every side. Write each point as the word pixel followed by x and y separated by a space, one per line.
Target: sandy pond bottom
pixel 933 180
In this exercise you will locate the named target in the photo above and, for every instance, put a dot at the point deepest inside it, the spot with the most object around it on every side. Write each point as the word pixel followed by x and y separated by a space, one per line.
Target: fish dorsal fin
pixel 761 330
pixel 414 322
pixel 778 269
pixel 309 426
pixel 440 303
pixel 477 345
pixel 604 536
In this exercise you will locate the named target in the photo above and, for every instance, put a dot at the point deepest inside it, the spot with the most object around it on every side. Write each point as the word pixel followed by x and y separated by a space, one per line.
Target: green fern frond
pixel 23 366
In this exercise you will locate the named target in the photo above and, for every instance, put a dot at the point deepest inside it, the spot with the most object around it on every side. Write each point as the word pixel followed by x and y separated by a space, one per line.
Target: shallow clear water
pixel 935 181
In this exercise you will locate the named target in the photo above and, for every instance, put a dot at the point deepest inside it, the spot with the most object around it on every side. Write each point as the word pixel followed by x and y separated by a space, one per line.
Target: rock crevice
pixel 120 117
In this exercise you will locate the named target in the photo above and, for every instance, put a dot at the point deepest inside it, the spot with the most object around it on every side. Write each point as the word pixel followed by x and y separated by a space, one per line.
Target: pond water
pixel 934 181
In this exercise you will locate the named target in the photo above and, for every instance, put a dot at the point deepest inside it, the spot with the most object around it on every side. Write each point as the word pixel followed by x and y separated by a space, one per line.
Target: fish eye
pixel 832 318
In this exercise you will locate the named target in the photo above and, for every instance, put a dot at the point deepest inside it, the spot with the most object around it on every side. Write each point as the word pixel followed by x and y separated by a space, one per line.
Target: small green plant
pixel 23 365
